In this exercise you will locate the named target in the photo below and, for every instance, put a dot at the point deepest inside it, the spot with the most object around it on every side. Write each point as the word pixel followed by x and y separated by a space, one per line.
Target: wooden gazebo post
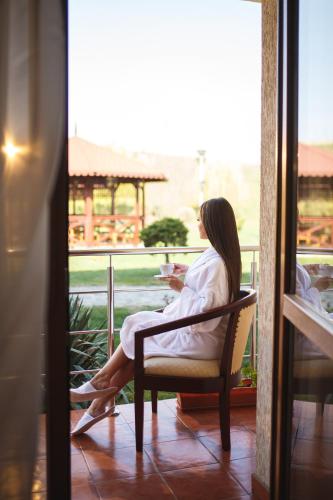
pixel 143 205
pixel 88 221
pixel 137 214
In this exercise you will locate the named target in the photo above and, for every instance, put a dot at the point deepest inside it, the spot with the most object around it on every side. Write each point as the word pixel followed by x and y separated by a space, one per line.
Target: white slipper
pixel 87 392
pixel 87 421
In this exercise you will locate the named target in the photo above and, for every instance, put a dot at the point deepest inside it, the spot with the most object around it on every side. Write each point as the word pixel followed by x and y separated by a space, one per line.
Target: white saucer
pixel 159 276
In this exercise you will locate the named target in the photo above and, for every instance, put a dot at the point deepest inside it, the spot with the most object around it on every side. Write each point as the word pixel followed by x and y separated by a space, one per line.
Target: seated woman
pixel 212 280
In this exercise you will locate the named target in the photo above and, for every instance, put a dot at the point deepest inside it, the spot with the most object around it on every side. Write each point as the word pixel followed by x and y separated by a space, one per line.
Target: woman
pixel 211 281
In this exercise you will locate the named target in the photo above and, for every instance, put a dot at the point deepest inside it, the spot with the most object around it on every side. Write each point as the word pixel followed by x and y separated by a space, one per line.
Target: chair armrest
pixel 140 335
pixel 246 299
pixel 181 322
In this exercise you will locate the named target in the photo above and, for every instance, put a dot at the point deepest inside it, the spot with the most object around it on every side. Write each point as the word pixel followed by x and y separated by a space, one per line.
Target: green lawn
pixel 315 259
pixel 133 270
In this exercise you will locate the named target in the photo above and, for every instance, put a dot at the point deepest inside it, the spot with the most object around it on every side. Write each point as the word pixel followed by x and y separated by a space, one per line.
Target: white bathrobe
pixel 304 348
pixel 206 286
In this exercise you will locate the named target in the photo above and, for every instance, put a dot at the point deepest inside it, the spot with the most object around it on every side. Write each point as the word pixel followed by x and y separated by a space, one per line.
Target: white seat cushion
pixel 182 367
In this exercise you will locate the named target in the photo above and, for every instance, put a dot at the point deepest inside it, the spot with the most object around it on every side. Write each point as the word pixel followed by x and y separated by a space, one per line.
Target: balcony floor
pixel 182 457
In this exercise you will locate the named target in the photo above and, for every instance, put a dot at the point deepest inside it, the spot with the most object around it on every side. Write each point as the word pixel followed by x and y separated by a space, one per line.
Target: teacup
pixel 166 269
pixel 325 270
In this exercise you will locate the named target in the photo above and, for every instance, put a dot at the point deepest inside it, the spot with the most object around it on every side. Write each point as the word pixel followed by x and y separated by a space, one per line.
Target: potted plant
pixel 244 394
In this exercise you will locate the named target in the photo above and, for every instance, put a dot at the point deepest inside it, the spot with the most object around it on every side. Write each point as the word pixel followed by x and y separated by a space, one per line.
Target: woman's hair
pixel 219 222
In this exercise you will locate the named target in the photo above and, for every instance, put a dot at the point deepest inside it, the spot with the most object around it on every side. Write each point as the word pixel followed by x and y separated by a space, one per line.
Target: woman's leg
pixel 119 379
pixel 117 361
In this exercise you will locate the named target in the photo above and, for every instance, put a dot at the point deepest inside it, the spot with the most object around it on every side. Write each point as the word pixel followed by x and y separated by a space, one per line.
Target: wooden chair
pixel 313 377
pixel 192 375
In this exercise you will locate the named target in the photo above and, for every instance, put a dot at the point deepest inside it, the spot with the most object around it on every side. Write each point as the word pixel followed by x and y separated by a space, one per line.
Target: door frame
pixel 57 344
pixel 290 310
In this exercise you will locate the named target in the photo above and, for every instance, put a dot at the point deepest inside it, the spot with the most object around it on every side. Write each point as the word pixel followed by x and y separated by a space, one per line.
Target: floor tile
pixel 79 470
pixel 163 412
pixel 164 430
pixel 79 473
pixel 75 448
pixel 41 449
pixel 203 422
pixel 319 428
pixel 243 415
pixel 209 481
pixel 315 453
pixel 104 437
pixel 118 463
pixel 171 455
pixel 172 404
pixel 250 427
pixel 149 487
pixel 242 470
pixel 84 492
pixel 310 482
pixel 242 445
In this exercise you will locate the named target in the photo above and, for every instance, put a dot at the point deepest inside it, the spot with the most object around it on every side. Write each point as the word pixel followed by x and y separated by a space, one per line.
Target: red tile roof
pixel 314 161
pixel 88 159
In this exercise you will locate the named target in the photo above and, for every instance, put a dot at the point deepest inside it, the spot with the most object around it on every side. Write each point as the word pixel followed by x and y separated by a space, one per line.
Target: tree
pixel 165 232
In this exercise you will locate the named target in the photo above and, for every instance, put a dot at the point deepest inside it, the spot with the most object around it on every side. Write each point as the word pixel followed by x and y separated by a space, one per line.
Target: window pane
pixel 311 474
pixel 315 156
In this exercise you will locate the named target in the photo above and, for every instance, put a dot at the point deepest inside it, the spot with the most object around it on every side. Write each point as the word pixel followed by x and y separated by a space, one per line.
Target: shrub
pixel 165 232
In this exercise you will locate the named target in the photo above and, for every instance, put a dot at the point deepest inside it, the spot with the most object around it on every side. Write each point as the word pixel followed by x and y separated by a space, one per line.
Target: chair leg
pixel 320 405
pixel 225 419
pixel 139 415
pixel 154 401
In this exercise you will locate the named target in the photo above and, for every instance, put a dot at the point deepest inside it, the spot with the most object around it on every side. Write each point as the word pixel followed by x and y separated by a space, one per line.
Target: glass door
pixel 302 453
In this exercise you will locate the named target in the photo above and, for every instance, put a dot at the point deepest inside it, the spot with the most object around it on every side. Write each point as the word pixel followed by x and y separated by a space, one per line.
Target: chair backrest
pixel 240 320
pixel 245 319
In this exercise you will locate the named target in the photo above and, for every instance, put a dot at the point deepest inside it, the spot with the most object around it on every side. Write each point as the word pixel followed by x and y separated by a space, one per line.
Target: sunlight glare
pixel 10 149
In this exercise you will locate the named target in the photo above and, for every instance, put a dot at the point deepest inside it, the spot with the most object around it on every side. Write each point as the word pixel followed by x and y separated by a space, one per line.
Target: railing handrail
pixel 314 251
pixel 148 250
pixel 191 249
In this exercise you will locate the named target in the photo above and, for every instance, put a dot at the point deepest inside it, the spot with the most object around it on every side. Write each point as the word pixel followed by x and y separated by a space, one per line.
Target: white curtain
pixel 32 125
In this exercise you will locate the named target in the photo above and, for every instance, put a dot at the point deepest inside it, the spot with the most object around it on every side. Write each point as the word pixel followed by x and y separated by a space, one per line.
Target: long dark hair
pixel 219 221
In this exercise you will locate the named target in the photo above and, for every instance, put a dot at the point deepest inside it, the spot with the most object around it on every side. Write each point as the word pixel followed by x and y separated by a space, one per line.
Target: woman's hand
pixel 323 283
pixel 179 269
pixel 174 283
pixel 312 268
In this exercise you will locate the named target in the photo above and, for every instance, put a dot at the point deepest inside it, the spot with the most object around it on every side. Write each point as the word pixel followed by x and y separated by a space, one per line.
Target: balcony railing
pixel 111 288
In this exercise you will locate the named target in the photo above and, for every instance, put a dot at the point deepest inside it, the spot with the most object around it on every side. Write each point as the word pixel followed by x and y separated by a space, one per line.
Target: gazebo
pixel 315 189
pixel 106 195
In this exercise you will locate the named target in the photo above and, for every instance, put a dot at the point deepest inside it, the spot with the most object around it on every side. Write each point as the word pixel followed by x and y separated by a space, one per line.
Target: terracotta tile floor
pixel 182 457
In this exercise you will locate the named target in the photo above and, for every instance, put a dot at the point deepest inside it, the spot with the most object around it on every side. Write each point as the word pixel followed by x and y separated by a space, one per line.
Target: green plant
pixel 87 351
pixel 165 232
pixel 249 372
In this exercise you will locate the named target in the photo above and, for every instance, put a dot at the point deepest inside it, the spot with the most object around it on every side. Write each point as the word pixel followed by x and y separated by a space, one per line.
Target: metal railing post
pixel 110 307
pixel 110 320
pixel 253 358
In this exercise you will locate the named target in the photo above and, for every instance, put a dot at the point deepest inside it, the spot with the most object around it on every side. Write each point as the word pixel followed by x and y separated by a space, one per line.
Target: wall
pixel 268 218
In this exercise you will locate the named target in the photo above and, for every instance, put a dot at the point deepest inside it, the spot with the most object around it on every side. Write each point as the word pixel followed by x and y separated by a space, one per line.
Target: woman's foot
pixel 96 388
pixel 90 418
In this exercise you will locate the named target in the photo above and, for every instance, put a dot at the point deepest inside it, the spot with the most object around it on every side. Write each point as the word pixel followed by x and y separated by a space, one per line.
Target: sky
pixel 316 71
pixel 170 77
